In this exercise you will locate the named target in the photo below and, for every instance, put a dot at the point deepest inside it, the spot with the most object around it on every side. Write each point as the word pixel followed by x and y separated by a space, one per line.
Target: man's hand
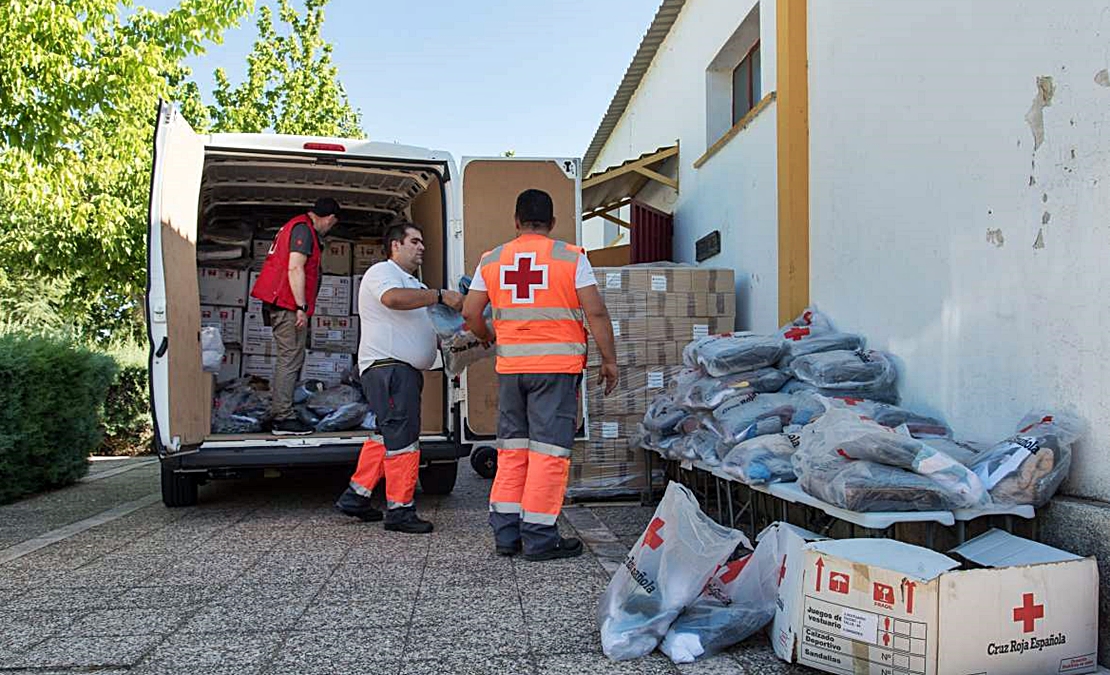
pixel 608 377
pixel 302 319
pixel 453 299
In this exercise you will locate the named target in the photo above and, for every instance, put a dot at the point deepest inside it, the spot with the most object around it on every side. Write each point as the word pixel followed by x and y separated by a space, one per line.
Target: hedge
pixel 51 397
pixel 126 418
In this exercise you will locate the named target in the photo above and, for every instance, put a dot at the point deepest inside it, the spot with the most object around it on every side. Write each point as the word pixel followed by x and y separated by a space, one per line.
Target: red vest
pixel 272 285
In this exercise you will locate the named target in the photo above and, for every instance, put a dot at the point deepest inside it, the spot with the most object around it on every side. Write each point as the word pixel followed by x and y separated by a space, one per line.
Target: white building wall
pixel 942 232
pixel 736 190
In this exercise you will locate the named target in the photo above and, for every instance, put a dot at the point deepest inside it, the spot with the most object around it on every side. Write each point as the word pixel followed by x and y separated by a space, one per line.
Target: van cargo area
pixel 216 203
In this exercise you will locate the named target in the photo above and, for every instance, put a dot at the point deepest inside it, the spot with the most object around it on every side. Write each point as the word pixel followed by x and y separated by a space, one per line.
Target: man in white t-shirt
pixel 397 343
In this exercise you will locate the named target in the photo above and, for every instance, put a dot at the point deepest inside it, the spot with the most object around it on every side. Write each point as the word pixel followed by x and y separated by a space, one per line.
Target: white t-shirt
pixel 583 276
pixel 403 334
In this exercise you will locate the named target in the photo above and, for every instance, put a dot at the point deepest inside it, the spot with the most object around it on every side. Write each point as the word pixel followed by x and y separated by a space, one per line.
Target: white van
pixel 198 180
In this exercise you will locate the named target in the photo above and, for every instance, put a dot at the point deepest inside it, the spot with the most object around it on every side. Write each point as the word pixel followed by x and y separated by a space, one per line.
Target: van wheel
pixel 484 461
pixel 439 479
pixel 178 489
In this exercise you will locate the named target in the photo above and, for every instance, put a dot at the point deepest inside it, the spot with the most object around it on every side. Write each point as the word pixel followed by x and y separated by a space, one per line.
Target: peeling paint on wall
pixel 1041 100
pixel 1045 218
pixel 995 237
pixel 1039 242
pixel 1102 78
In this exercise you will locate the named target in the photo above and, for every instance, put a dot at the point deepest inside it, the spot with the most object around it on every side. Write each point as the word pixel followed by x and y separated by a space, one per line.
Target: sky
pixel 472 78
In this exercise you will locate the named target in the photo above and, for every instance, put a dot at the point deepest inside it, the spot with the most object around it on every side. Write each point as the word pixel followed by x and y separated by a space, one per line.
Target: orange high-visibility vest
pixel 536 313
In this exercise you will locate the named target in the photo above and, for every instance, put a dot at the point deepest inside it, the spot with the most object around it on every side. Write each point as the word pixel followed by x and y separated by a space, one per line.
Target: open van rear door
pixel 489 190
pixel 180 389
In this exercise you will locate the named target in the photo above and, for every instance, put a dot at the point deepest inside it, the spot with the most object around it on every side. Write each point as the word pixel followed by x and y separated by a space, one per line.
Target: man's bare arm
pixel 296 276
pixel 601 326
pixel 473 309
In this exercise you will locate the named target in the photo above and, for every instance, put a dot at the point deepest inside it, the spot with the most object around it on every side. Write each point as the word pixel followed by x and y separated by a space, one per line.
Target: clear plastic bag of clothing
pixel 333 398
pixel 845 459
pixel 458 346
pixel 702 444
pixel 755 415
pixel 306 388
pixel 812 320
pixel 721 355
pixel 739 600
pixel 211 349
pixel 663 416
pixel 762 460
pixel 708 392
pixel 240 409
pixel 860 374
pixel 665 570
pixel 800 342
pixel 1029 467
pixel 369 421
pixel 888 415
pixel 345 417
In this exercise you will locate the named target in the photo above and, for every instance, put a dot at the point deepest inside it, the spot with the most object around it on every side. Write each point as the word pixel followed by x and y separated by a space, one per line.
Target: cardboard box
pixel 791 547
pixel 663 353
pixel 877 605
pixel 334 298
pixel 336 258
pixel 231 366
pixel 629 353
pixel 260 249
pixel 625 403
pixel 228 319
pixel 223 286
pixel 259 365
pixel 366 253
pixel 326 366
pixel 258 338
pixel 334 334
pixel 662 329
pixel 253 304
pixel 713 280
pixel 356 286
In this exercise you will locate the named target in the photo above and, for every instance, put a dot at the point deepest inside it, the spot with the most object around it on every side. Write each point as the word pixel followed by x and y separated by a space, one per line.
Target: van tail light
pixel 332 147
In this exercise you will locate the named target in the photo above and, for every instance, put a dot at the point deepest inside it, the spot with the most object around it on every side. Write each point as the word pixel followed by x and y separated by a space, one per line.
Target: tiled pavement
pixel 263 577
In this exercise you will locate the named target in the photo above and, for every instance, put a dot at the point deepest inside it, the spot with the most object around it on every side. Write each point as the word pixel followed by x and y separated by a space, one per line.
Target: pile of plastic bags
pixel 689 586
pixel 458 346
pixel 243 406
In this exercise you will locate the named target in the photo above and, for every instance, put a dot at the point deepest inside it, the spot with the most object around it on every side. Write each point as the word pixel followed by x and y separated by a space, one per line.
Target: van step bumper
pixel 276 457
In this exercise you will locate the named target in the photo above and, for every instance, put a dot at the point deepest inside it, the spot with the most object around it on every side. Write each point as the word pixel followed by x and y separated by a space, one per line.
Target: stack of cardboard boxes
pixel 656 312
pixel 333 329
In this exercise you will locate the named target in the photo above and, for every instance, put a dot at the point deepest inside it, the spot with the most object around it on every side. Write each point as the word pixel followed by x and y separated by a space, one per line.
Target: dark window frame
pixel 752 98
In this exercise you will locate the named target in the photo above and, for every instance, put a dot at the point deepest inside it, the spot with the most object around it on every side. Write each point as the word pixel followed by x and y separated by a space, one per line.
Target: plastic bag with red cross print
pixel 1029 467
pixel 735 604
pixel 458 346
pixel 664 572
pixel 812 319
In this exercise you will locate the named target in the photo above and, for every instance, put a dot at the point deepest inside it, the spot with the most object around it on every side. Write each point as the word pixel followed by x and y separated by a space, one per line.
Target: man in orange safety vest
pixel 541 289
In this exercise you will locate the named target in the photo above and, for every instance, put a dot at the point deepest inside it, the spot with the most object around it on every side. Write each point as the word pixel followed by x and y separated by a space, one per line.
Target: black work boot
pixel 509 551
pixel 353 504
pixel 568 547
pixel 405 520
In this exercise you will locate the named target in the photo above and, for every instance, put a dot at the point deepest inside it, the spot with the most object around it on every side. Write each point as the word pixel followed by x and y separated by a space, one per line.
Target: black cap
pixel 326 206
pixel 534 206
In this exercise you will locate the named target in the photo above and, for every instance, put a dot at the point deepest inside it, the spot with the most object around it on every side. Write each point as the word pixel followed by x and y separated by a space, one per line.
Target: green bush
pixel 50 403
pixel 126 418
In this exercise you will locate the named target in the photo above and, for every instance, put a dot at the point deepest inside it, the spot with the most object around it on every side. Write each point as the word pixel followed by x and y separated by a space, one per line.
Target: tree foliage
pixel 291 85
pixel 79 85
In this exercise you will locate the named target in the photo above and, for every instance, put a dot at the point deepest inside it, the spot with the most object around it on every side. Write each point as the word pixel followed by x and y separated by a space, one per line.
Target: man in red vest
pixel 541 290
pixel 287 287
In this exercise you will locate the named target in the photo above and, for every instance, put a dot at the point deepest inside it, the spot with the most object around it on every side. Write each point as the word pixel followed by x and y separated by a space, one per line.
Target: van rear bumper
pixel 272 456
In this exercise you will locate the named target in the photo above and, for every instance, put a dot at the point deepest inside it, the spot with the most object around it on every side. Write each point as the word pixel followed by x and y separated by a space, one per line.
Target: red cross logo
pixel 851 401
pixel 1028 613
pixel 796 333
pixel 732 569
pixel 525 276
pixel 651 538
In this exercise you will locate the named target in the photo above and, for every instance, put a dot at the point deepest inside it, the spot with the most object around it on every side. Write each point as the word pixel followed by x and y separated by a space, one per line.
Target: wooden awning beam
pixel 658 177
pixel 642 163
pixel 602 211
pixel 614 219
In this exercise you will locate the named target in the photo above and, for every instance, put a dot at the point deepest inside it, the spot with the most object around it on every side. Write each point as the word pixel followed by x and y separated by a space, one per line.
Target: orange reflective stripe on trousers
pixel 545 487
pixel 512 471
pixel 400 468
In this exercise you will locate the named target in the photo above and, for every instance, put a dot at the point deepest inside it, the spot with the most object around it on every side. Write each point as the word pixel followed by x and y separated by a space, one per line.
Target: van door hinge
pixel 158 311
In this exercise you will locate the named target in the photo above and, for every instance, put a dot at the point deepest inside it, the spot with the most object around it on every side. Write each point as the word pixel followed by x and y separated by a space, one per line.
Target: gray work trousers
pixel 289 342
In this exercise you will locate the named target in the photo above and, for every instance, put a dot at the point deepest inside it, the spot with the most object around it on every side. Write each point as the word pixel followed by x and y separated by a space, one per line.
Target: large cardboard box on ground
pixel 231 366
pixel 1015 607
pixel 224 286
pixel 326 366
pixel 335 258
pixel 334 298
pixel 259 365
pixel 228 319
pixel 334 334
pixel 258 338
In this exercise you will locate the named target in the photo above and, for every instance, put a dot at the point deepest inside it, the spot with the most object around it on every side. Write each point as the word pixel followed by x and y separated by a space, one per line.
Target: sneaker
pixel 566 548
pixel 291 427
pixel 509 551
pixel 367 514
pixel 409 523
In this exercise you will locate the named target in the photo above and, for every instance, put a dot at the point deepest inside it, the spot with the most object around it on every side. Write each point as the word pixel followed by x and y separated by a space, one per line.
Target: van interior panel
pixel 491 190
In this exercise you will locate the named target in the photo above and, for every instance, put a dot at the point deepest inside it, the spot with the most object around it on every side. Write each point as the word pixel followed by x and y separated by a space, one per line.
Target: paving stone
pixel 157 597
pixel 206 569
pixel 473 633
pixel 561 664
pixel 445 606
pixel 561 635
pixel 351 615
pixel 245 592
pixel 624 520
pixel 473 664
pixel 398 574
pixel 86 652
pixel 721 664
pixel 341 651
pixel 107 622
pixel 243 619
pixel 67 597
pixel 207 652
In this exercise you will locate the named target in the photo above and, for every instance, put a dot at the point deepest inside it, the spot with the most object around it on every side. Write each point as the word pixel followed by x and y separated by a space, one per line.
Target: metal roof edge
pixel 656 33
